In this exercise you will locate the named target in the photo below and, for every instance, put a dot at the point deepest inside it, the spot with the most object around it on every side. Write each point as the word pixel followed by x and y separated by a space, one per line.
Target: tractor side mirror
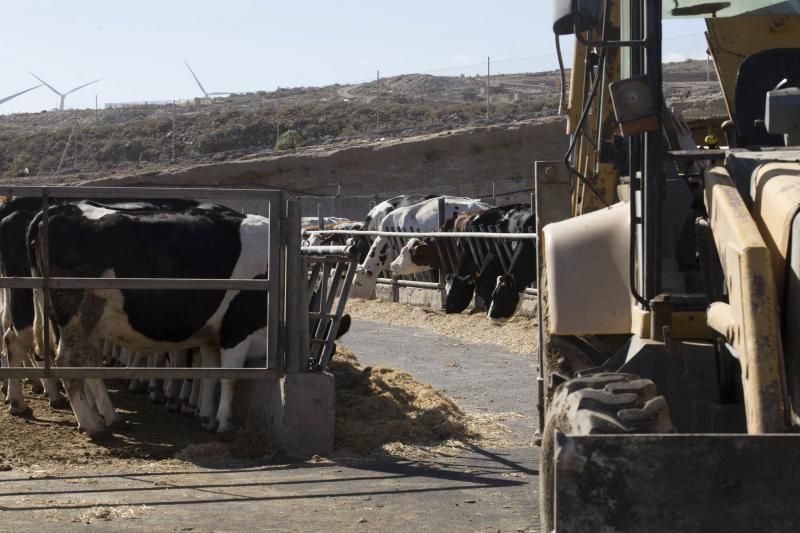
pixel 583 14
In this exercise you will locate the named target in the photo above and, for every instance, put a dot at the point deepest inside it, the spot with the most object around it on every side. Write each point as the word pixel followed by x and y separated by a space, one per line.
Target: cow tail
pixel 34 258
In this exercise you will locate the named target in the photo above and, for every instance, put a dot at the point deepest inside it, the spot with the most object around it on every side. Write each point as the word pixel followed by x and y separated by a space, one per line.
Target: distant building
pixel 150 103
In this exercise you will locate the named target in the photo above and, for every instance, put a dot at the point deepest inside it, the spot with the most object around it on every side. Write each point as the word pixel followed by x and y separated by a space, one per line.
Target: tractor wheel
pixel 597 404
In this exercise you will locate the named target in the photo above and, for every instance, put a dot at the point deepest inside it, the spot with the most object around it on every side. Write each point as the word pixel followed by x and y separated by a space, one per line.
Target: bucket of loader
pixel 677 482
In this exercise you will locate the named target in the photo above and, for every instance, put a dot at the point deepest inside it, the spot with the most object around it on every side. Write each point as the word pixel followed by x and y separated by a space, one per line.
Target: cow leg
pixel 74 350
pixel 194 397
pixel 174 387
pixel 49 386
pixel 210 358
pixel 183 396
pixel 103 404
pixel 53 392
pixel 107 352
pixel 36 384
pixel 16 355
pixel 138 385
pixel 89 420
pixel 156 385
pixel 125 356
pixel 231 358
pixel 4 364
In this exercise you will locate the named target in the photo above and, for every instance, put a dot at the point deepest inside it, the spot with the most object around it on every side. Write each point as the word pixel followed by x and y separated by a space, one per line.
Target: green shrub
pixel 289 139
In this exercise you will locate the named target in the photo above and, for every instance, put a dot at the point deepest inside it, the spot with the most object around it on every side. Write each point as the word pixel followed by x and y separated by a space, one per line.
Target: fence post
pixel 494 192
pixel 320 219
pixel 277 215
pixel 440 207
pixel 297 330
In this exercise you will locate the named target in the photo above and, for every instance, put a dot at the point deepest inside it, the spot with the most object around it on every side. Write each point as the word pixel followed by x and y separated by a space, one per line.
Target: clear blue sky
pixel 138 48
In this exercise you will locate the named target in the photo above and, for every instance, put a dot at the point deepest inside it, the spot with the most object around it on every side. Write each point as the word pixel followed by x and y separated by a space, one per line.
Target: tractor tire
pixel 610 403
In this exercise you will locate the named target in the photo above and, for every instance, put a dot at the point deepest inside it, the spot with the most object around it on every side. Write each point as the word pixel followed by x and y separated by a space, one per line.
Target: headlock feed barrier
pixel 289 346
pixel 487 244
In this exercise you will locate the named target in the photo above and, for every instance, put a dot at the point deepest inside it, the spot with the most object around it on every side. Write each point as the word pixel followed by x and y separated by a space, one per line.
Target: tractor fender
pixel 587 266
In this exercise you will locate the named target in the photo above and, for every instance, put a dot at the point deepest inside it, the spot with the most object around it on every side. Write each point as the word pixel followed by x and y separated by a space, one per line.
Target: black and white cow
pixel 423 216
pixel 422 254
pixel 17 308
pixel 498 289
pixel 337 239
pixel 89 239
pixel 376 215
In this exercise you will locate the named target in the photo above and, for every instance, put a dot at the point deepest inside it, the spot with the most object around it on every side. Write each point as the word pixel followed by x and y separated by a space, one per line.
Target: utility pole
pixel 378 105
pixel 277 123
pixel 172 137
pixel 488 75
pixel 76 139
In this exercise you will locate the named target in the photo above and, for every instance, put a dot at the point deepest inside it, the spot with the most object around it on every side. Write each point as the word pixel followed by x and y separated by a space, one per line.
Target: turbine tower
pixel 206 93
pixel 62 95
pixel 7 98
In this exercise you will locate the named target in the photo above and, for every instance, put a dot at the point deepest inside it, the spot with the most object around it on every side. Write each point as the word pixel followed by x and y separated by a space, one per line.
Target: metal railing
pixel 504 246
pixel 273 286
pixel 479 244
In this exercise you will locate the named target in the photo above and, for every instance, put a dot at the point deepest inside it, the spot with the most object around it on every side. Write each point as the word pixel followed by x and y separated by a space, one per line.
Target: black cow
pixel 498 289
pixel 178 240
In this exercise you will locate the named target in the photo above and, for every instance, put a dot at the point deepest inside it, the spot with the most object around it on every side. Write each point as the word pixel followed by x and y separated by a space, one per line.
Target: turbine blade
pixel 7 98
pixel 206 93
pixel 220 94
pixel 45 83
pixel 81 87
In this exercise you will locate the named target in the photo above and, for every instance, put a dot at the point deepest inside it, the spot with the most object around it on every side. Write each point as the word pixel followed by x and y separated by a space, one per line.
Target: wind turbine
pixel 62 95
pixel 7 98
pixel 206 93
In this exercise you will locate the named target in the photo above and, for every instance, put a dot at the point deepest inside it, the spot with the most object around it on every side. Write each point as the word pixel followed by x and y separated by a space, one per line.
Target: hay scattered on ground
pixel 247 447
pixel 387 410
pixel 518 335
pixel 109 513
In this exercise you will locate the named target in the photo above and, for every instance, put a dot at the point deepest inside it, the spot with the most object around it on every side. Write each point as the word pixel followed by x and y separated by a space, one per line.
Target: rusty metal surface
pixel 747 263
pixel 671 483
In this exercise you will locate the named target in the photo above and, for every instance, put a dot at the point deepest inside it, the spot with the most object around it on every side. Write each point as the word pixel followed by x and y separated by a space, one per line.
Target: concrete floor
pixel 480 490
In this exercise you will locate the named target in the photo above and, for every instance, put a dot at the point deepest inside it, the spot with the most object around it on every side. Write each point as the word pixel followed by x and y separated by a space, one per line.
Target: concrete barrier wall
pixel 459 162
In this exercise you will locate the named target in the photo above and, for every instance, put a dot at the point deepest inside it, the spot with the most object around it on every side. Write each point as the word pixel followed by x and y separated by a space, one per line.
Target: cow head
pixel 418 255
pixel 375 262
pixel 459 293
pixel 505 299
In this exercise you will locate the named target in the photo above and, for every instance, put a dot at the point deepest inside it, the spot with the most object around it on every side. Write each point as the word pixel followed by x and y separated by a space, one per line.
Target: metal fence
pixel 283 313
pixel 484 246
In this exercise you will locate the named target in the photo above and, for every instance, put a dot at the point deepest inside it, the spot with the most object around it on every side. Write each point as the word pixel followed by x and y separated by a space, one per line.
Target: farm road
pixel 475 490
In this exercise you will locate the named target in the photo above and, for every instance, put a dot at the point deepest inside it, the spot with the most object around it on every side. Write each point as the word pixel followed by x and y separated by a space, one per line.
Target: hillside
pixel 127 138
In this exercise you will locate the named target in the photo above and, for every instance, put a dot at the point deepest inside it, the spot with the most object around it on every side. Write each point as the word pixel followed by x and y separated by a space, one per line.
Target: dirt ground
pixel 518 335
pixel 433 433
pixel 381 412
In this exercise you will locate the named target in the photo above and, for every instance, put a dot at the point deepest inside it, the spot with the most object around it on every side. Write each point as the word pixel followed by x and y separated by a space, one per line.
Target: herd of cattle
pixel 495 285
pixel 196 328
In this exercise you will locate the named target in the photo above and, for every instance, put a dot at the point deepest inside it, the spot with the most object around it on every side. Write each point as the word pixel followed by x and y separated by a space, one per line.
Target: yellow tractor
pixel 669 323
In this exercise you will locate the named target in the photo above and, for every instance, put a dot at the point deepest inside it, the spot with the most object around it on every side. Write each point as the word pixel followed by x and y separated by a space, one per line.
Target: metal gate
pixel 282 304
